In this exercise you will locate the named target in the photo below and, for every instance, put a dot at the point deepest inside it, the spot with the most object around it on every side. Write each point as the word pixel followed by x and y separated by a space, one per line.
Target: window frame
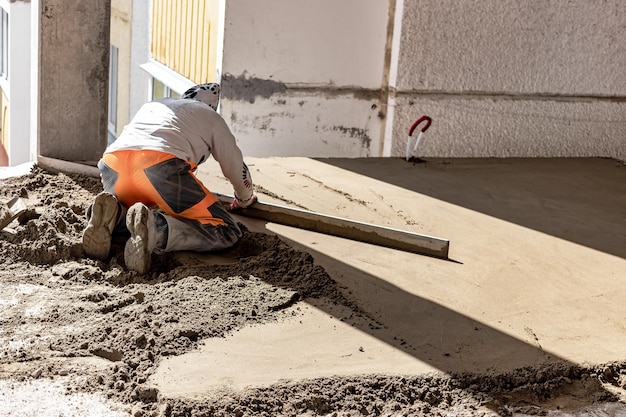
pixel 113 75
pixel 173 81
pixel 4 44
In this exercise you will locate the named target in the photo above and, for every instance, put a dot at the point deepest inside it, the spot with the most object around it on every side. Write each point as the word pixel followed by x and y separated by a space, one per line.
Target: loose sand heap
pixel 81 337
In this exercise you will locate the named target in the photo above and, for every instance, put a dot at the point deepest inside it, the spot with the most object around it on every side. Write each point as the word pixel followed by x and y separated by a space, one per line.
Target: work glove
pixel 237 203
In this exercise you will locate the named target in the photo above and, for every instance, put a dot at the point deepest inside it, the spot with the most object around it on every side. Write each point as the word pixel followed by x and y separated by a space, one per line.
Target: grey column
pixel 73 78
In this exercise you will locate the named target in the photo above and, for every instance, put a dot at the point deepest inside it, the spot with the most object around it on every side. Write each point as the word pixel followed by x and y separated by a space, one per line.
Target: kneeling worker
pixel 150 189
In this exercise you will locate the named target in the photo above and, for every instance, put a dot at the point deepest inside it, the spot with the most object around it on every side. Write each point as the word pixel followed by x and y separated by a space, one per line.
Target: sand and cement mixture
pixel 80 337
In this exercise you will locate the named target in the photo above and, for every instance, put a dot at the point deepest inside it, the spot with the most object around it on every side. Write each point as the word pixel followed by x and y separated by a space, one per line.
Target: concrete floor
pixel 537 271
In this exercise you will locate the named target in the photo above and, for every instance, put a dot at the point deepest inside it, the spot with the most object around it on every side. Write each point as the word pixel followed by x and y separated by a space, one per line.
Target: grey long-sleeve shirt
pixel 190 130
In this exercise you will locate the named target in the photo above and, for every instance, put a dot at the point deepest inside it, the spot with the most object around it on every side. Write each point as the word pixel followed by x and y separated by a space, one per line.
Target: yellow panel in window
pixel 181 37
pixel 199 42
pixel 206 33
pixel 186 53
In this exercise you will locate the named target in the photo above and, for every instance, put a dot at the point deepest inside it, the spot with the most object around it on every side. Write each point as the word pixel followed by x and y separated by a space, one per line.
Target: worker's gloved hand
pixel 237 203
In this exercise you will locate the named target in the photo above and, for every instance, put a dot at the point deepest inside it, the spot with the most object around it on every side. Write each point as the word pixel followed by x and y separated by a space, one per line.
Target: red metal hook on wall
pixel 419 136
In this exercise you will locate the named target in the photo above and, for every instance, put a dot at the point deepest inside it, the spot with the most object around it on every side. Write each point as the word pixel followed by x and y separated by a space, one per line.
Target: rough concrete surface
pixel 526 318
pixel 504 128
pixel 547 48
pixel 72 55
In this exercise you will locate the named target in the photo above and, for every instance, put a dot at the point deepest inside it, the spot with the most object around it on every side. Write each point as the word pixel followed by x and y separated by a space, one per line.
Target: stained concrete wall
pixel 510 78
pixel 501 78
pixel 304 77
pixel 73 78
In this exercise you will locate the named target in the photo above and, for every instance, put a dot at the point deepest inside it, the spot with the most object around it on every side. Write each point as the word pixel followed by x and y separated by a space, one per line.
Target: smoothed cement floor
pixel 537 271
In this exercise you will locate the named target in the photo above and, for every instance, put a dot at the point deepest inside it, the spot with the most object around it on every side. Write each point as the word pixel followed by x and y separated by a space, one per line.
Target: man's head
pixel 208 93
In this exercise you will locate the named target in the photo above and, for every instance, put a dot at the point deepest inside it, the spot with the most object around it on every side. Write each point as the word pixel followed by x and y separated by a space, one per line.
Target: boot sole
pixel 97 236
pixel 137 252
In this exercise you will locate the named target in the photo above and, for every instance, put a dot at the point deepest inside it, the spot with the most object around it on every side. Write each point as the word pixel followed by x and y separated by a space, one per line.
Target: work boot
pixel 141 223
pixel 102 220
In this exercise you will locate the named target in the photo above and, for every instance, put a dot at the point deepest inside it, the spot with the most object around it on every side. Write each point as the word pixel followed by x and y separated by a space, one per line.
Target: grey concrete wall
pixel 507 78
pixel 73 78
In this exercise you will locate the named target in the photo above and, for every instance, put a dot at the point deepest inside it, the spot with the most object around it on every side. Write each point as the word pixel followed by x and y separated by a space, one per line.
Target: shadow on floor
pixel 431 332
pixel 447 340
pixel 582 200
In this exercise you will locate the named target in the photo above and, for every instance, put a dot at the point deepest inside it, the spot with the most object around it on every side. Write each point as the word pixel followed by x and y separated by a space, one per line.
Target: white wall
pixel 303 77
pixel 34 82
pixel 17 87
pixel 500 78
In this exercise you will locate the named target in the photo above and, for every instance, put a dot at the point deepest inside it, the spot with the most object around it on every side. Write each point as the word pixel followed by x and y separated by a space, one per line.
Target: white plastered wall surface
pixel 504 78
pixel 303 78
pixel 500 78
